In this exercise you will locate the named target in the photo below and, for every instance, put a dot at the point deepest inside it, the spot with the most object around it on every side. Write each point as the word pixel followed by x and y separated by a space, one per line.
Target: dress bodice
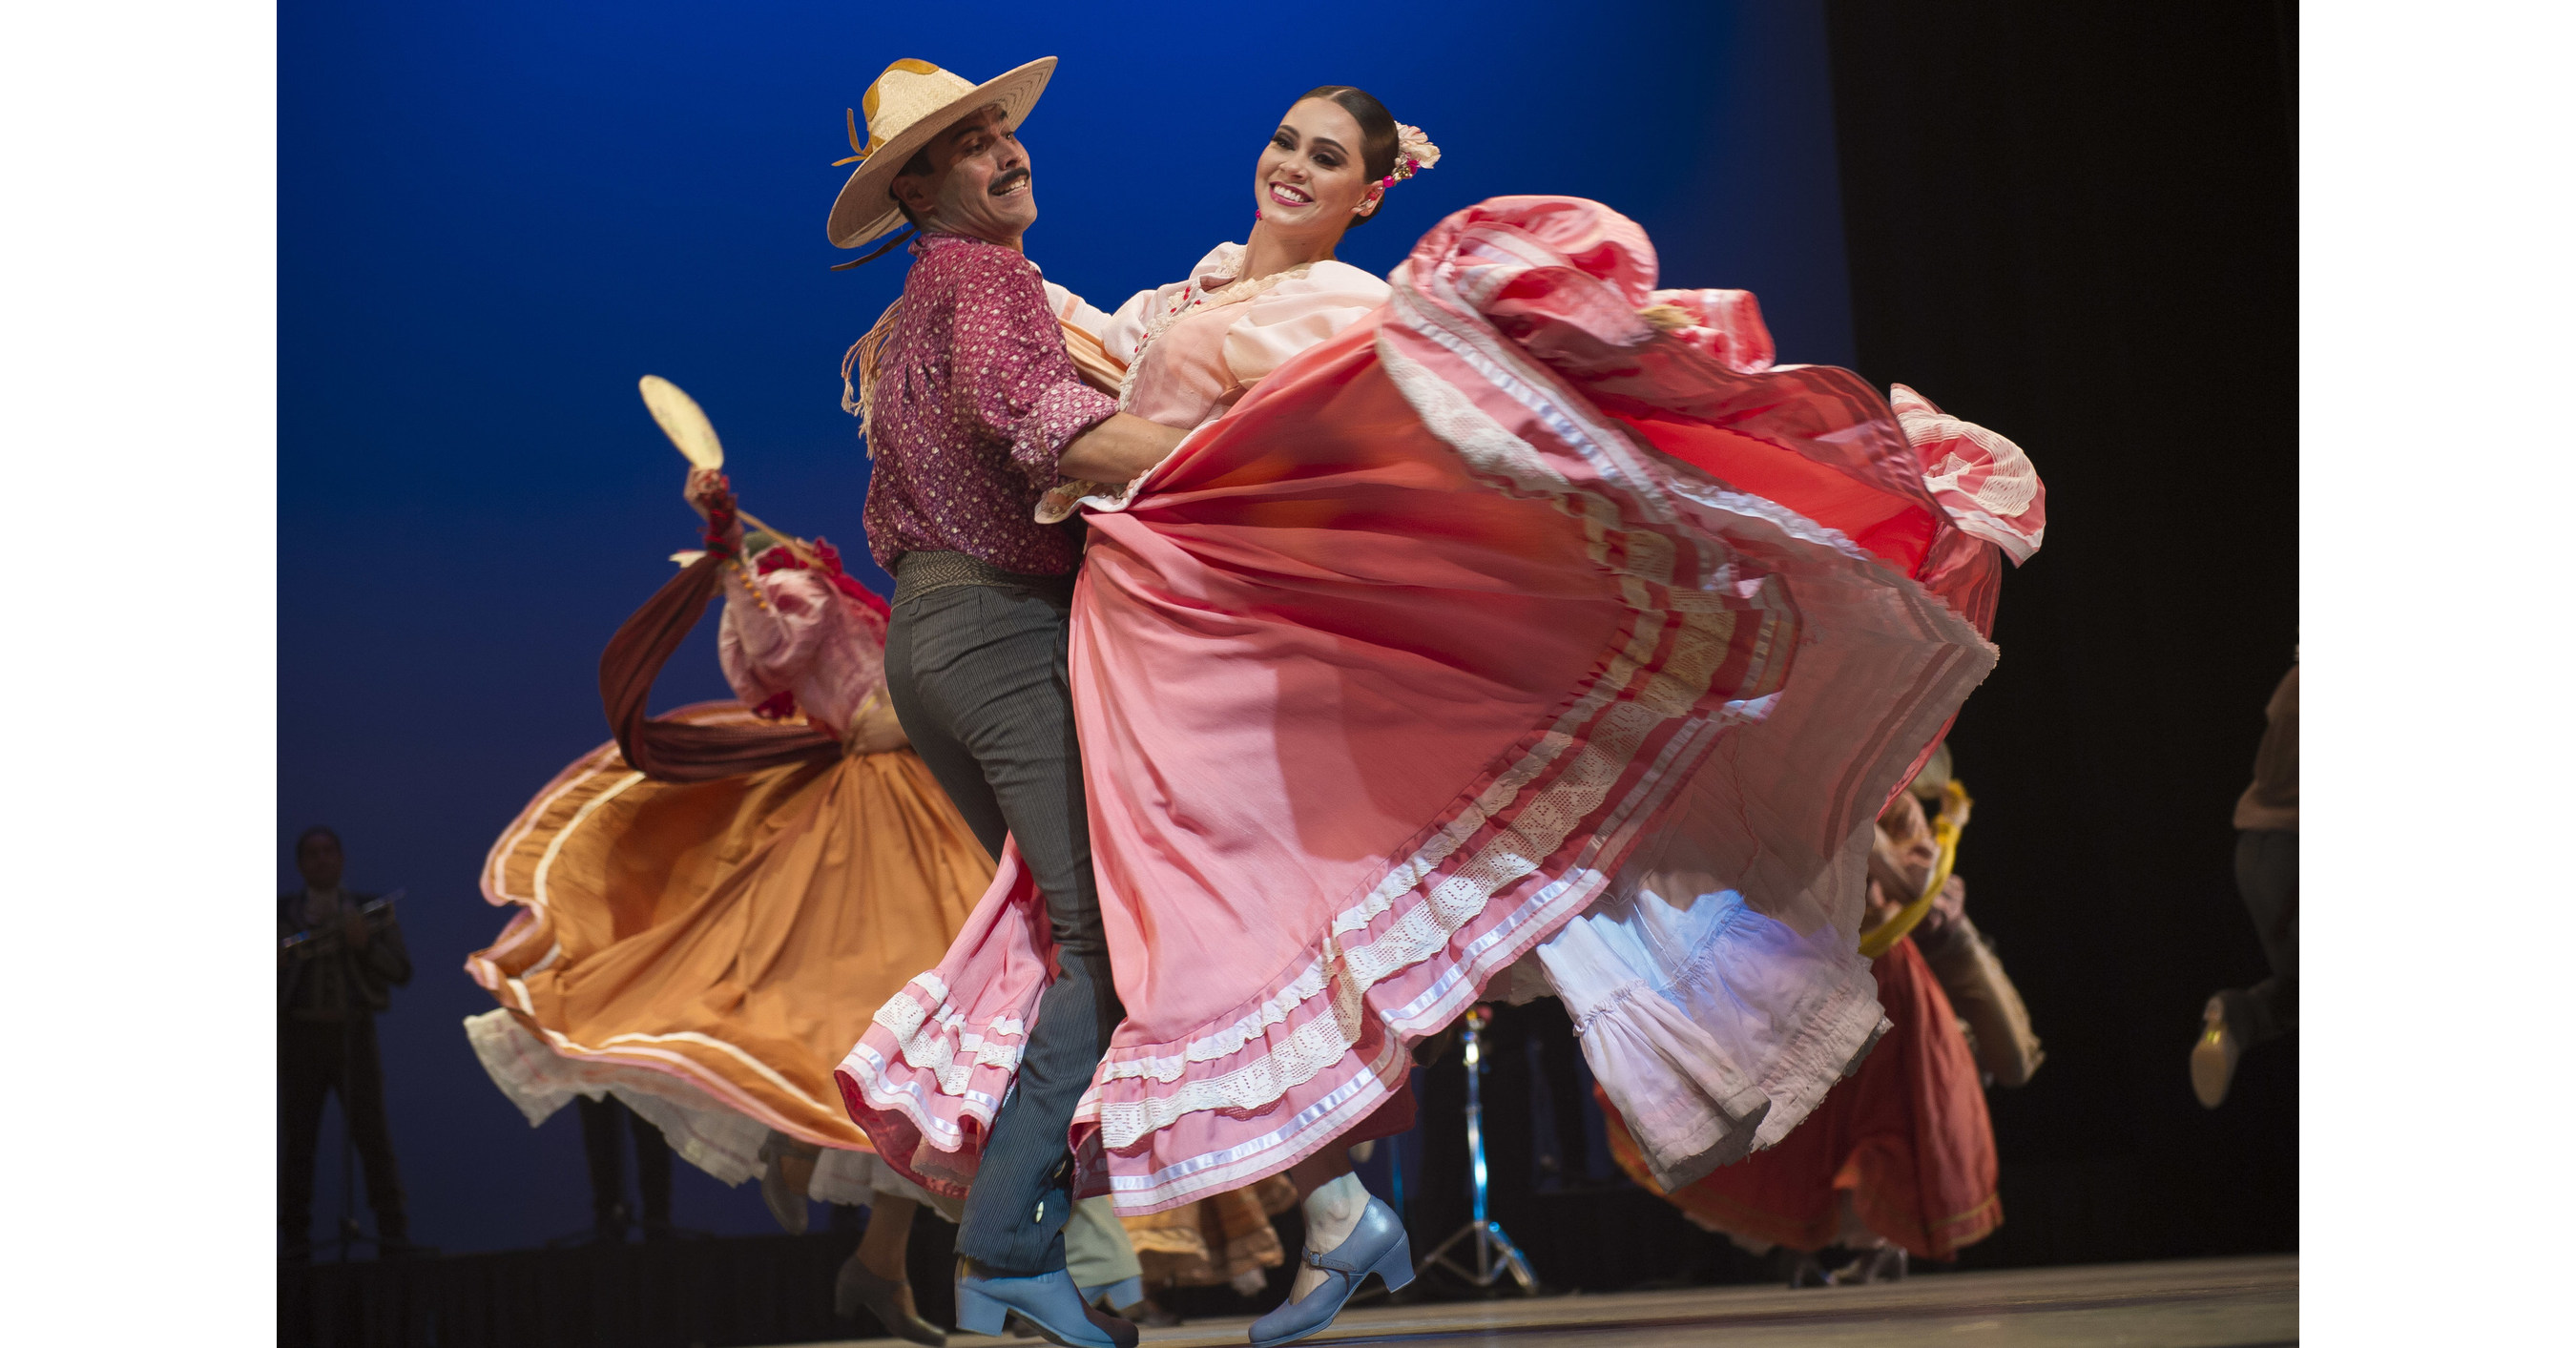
pixel 1194 347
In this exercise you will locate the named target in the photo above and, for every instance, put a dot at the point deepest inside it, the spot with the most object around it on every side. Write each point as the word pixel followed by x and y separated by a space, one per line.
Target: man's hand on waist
pixel 1118 449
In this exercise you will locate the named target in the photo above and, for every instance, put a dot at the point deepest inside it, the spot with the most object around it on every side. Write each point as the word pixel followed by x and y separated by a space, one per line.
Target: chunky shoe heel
pixel 1396 1265
pixel 1048 1301
pixel 978 1313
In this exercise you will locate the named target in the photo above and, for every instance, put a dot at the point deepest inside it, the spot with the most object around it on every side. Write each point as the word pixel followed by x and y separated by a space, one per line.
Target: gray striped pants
pixel 977 676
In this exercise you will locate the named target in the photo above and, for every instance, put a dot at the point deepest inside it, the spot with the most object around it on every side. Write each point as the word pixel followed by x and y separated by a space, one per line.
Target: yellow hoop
pixel 1945 831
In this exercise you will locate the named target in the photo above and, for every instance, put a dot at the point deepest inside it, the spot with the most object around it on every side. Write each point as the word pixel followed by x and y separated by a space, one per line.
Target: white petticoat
pixel 1676 986
pixel 720 1141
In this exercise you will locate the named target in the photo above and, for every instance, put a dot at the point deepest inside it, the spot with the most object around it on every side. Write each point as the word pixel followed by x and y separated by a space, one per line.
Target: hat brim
pixel 865 210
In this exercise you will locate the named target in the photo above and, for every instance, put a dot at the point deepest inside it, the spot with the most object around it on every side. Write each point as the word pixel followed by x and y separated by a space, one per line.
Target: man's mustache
pixel 1007 181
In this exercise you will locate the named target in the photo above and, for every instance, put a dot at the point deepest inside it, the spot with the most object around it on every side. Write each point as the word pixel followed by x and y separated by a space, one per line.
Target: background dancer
pixel 708 903
pixel 1971 975
pixel 1899 1160
pixel 972 410
pixel 2267 875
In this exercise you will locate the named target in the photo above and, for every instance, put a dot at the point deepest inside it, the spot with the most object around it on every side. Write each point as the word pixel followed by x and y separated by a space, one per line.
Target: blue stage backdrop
pixel 494 217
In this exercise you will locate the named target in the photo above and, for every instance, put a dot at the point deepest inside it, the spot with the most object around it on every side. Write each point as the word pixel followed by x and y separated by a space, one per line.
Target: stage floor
pixel 2213 1303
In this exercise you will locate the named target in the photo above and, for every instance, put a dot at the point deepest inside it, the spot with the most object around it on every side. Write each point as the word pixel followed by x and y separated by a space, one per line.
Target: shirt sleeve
pixel 1012 378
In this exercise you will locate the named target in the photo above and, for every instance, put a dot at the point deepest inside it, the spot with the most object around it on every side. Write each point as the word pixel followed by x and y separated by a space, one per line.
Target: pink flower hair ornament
pixel 1414 152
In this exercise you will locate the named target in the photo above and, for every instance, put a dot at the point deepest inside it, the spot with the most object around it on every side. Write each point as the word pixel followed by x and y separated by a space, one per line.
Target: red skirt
pixel 1907 1136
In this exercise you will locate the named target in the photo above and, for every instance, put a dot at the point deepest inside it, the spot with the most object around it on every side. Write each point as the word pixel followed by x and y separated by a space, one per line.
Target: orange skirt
pixel 1907 1136
pixel 709 951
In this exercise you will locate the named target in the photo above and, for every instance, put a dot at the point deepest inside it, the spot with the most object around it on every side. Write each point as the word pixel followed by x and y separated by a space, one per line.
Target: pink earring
pixel 1256 214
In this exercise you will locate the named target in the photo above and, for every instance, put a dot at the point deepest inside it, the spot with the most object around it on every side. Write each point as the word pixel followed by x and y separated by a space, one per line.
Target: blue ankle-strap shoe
pixel 1049 1301
pixel 1377 1245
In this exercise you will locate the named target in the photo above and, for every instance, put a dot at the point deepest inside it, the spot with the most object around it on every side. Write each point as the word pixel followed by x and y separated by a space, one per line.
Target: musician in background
pixel 337 965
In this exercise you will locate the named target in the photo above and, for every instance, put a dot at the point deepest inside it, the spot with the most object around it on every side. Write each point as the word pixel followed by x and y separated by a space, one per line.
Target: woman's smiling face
pixel 1311 177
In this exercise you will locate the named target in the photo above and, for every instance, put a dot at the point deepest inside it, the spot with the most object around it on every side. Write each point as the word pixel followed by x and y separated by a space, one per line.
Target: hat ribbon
pixel 852 115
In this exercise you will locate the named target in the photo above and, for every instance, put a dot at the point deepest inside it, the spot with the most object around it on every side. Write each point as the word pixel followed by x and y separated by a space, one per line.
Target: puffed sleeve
pixel 792 632
pixel 764 643
pixel 1296 315
pixel 1074 311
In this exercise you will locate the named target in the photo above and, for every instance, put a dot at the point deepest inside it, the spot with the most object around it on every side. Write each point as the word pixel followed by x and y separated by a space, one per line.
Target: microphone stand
pixel 1496 1255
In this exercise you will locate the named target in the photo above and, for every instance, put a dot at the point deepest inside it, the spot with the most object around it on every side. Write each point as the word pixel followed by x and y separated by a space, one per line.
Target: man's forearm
pixel 1118 449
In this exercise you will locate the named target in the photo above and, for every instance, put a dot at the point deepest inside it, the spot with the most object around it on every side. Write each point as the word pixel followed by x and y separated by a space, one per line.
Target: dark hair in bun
pixel 1377 132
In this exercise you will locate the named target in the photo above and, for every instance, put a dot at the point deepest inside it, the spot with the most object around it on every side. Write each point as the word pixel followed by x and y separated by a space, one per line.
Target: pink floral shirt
pixel 975 399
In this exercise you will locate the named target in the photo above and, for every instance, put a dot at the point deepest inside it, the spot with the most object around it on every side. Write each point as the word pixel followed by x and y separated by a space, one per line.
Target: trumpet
pixel 369 910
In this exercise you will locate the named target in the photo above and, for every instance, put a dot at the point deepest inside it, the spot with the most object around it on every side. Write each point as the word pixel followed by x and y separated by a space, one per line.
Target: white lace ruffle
pixel 723 1142
pixel 945 1048
pixel 1227 1042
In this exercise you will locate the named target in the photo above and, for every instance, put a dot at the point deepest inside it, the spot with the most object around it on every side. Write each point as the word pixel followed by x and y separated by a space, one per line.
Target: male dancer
pixel 974 410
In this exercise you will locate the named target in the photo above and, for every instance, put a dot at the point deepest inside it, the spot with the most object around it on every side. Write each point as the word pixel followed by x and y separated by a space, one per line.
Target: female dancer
pixel 709 904
pixel 1531 616
pixel 1899 1160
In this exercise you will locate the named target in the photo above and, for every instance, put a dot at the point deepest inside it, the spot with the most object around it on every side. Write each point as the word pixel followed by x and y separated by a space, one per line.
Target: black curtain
pixel 2076 224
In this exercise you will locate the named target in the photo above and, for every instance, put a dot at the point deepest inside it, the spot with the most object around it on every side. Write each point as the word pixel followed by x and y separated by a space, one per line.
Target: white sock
pixel 1333 1211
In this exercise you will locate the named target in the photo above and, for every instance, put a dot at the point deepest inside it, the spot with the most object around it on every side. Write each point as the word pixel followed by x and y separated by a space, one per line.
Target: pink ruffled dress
pixel 1506 640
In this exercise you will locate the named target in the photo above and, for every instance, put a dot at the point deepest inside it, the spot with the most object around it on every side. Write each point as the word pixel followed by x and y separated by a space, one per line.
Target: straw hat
pixel 909 104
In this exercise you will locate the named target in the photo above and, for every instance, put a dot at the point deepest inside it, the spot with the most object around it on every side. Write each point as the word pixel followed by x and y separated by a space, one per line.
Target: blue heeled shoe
pixel 1377 1245
pixel 1049 1301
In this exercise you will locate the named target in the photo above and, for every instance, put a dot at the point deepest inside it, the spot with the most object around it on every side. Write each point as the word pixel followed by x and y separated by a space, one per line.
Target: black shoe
pixel 786 1172
pixel 1885 1264
pixel 1797 1268
pixel 856 1287
pixel 1149 1313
